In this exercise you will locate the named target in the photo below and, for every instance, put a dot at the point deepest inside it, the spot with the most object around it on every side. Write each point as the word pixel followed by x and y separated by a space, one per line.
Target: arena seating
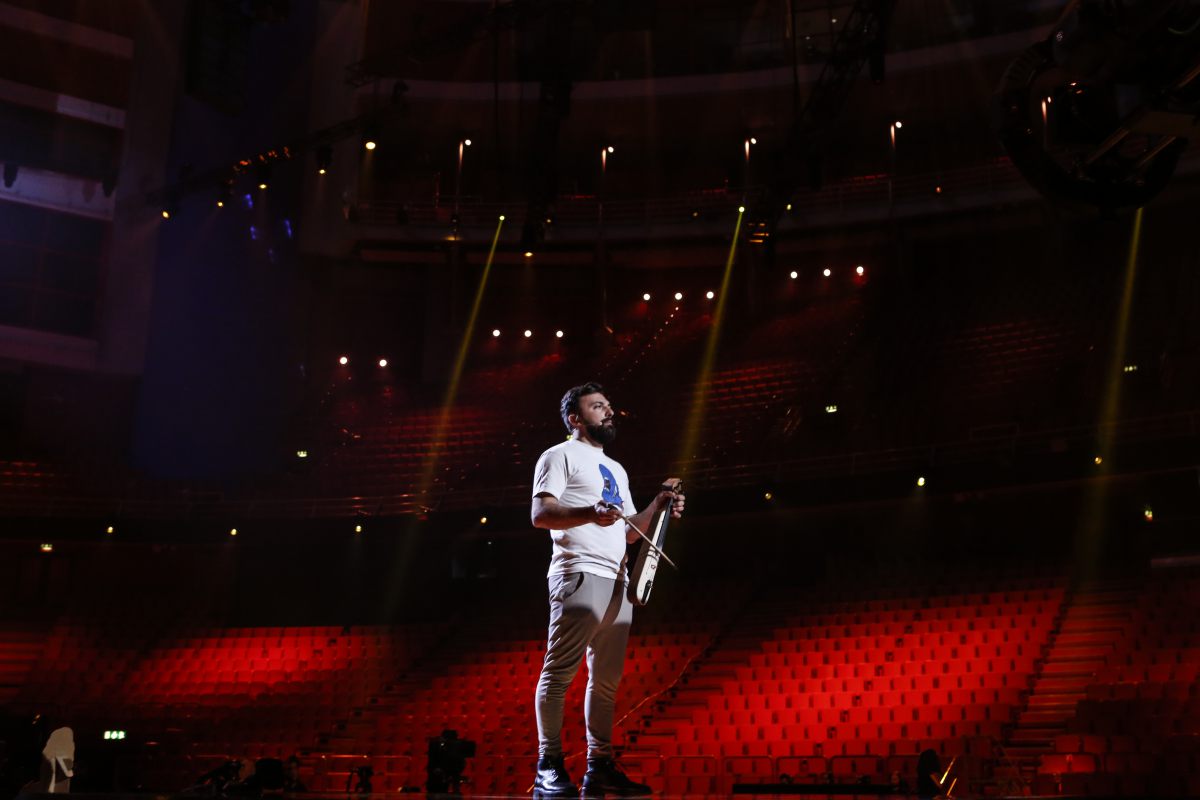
pixel 1138 727
pixel 845 680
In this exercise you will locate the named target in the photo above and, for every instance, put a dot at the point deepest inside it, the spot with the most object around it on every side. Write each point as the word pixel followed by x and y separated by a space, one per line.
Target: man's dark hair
pixel 570 401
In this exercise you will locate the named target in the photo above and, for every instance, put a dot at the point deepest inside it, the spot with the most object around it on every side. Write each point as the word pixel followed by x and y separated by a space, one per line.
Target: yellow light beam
pixel 408 542
pixel 691 431
pixel 1090 536
pixel 464 347
pixel 1111 405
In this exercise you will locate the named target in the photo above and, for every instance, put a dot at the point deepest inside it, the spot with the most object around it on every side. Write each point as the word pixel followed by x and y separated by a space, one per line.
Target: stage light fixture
pixel 529 254
pixel 495 333
pixel 679 295
pixel 324 157
pixel 921 482
pixel 937 190
pixel 741 209
pixel 1148 514
pixel 768 496
pixel 793 275
pixel 859 269
pixel 110 529
pixel 646 297
pixel 1097 461
pixel 528 333
pixel 483 520
pixel 502 218
pixel 695 214
pixel 1130 368
pixel 220 204
pixel 343 361
pixel 467 142
pixel 898 124
pixel 47 547
pixel 831 409
pixel 383 362
pixel 301 454
pixel 789 206
pixel 558 334
pixel 263 173
pixel 710 295
pixel 233 531
pixel 369 144
pixel 611 150
pixel 166 214
pixel 358 528
pixel 827 272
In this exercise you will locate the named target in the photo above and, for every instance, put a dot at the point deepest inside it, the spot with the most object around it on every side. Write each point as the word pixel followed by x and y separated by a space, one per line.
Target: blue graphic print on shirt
pixel 612 492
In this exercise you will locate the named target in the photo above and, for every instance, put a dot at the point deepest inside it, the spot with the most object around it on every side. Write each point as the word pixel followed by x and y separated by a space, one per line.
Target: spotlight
pixel 528 333
pixel 767 496
pixel 831 409
pixel 220 204
pixel 233 531
pixel 1098 461
pixel 343 361
pixel 827 272
pixel 753 140
pixel 610 149
pixel 358 528
pixel 921 482
pixel 467 142
pixel 679 295
pixel 166 214
pixel 710 295
pixel 558 334
pixel 646 297
pixel 495 333
pixel 695 214
pixel 741 209
pixel 789 206
pixel 324 158
pixel 529 254
pixel 1148 514
pixel 369 144
pixel 937 190
pixel 502 218
pixel 383 362
pixel 301 454
pixel 47 547
pixel 483 520
pixel 859 269
pixel 793 275
pixel 898 124
pixel 263 173
pixel 110 529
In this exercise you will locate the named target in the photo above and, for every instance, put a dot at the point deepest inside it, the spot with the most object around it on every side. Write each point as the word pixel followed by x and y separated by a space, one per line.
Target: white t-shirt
pixel 578 475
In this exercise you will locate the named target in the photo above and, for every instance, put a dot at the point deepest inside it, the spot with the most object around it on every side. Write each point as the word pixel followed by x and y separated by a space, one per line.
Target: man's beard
pixel 602 434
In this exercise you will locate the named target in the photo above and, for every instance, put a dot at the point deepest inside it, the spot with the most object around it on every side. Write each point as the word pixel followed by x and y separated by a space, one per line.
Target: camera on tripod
pixel 447 758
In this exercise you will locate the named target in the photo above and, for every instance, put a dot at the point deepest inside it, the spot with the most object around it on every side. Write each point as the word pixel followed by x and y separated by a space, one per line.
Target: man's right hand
pixel 605 516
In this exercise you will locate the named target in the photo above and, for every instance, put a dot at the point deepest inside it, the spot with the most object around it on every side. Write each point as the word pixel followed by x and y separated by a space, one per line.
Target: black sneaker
pixel 552 779
pixel 604 777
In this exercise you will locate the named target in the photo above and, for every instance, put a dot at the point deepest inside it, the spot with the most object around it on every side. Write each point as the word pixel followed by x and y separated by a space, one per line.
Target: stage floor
pixel 801 795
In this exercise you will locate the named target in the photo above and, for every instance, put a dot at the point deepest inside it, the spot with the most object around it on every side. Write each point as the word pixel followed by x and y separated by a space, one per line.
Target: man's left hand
pixel 673 497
